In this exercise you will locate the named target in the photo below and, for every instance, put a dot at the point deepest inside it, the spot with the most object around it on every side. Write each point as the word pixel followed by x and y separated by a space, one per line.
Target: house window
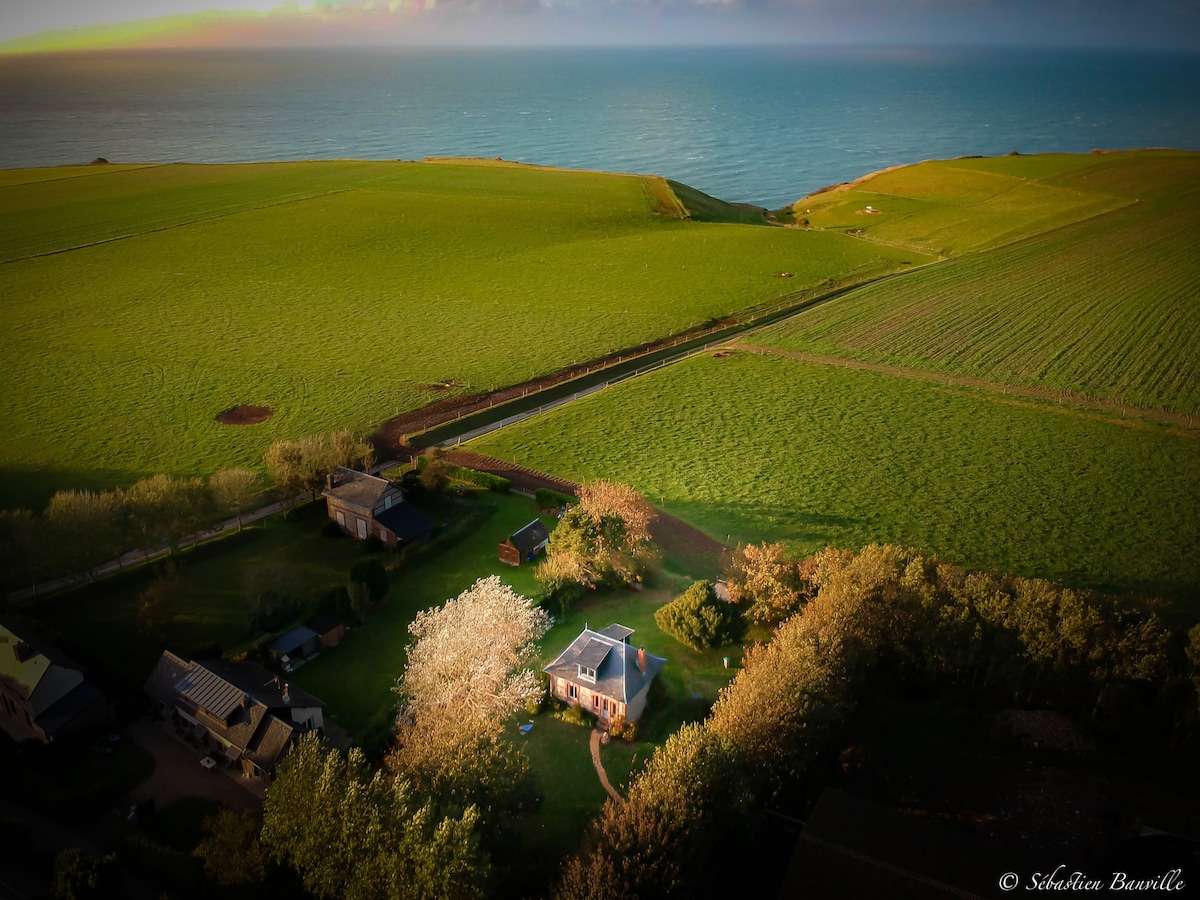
pixel 341 518
pixel 587 674
pixel 572 692
pixel 362 528
pixel 596 701
pixel 387 502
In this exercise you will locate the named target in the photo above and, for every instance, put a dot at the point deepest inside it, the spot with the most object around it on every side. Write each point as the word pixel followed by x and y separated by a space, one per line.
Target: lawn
pixel 139 303
pixel 758 447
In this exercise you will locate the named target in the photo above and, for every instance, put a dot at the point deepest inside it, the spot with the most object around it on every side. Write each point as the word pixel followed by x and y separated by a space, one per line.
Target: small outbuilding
pixel 330 629
pixel 299 643
pixel 524 545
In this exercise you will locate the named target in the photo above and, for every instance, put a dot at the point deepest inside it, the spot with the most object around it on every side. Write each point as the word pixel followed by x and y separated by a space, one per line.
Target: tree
pixel 435 472
pixel 149 502
pixel 285 465
pixel 699 618
pixel 371 573
pixel 87 522
pixel 768 583
pixel 156 601
pixel 605 539
pixel 471 657
pixel 80 876
pixel 232 853
pixel 234 491
pixel 22 544
pixel 468 668
pixel 350 833
pixel 348 451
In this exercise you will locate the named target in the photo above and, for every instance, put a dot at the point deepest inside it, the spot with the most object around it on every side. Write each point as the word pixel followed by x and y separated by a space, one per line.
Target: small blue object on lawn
pixel 525 729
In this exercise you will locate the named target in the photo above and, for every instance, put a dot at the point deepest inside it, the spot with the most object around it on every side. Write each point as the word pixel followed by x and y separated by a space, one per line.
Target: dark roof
pixel 405 521
pixel 64 710
pixel 173 673
pixel 269 742
pixel 294 639
pixel 527 538
pixel 357 489
pixel 616 632
pixel 617 674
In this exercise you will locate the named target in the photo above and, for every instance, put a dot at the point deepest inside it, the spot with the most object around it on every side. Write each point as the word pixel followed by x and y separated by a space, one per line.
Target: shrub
pixel 494 483
pixel 372 544
pixel 576 715
pixel 271 611
pixel 549 499
pixel 332 529
pixel 699 618
pixel 370 572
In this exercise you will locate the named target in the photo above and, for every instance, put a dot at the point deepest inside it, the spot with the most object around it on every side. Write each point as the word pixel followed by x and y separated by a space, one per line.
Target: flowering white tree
pixel 472 656
pixel 469 667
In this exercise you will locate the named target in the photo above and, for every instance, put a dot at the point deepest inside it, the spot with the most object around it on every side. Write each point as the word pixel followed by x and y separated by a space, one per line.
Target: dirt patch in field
pixel 245 415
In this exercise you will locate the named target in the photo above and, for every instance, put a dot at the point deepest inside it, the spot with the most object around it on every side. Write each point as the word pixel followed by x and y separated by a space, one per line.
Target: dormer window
pixel 587 674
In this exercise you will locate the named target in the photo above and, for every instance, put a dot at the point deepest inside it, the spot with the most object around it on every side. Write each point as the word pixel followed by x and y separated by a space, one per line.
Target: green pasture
pixel 1104 308
pixel 755 447
pixel 953 207
pixel 138 303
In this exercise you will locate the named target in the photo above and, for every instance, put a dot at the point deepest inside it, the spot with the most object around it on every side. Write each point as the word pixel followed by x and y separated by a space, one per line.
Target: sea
pixel 762 125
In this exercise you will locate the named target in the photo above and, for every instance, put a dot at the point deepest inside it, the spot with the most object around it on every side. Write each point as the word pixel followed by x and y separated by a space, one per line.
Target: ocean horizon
pixel 763 125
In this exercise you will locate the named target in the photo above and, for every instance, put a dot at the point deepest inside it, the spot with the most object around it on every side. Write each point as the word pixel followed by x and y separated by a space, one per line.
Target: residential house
pixel 44 694
pixel 525 544
pixel 602 672
pixel 242 713
pixel 364 505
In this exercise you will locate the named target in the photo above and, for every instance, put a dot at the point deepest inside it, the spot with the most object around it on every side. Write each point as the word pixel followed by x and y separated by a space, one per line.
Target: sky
pixel 1143 24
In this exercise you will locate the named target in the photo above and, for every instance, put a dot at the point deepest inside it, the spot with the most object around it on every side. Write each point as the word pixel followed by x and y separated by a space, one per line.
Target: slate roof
pixel 529 537
pixel 405 521
pixel 617 674
pixel 210 692
pixel 261 684
pixel 356 489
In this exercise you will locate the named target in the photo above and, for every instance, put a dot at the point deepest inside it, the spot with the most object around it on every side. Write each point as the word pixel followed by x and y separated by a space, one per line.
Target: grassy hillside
pixel 756 447
pixel 1103 308
pixel 137 303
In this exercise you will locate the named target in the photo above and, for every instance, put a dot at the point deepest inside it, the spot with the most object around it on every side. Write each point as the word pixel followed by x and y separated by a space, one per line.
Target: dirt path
pixel 612 791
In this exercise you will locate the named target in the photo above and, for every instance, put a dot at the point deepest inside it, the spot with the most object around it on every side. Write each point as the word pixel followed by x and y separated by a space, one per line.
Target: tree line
pixel 1019 640
pixel 80 530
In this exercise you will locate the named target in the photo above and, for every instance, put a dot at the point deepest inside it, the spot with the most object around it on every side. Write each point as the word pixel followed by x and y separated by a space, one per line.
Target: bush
pixel 699 618
pixel 332 529
pixel 271 611
pixel 370 572
pixel 372 544
pixel 494 483
pixel 576 715
pixel 549 499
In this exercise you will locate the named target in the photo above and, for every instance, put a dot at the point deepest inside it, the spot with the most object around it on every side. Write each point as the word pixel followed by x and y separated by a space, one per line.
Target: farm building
pixel 240 712
pixel 43 693
pixel 602 672
pixel 525 544
pixel 364 505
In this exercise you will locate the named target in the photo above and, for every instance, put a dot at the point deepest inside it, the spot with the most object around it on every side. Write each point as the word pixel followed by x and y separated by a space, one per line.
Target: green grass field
pixel 756 447
pixel 137 303
pixel 1102 308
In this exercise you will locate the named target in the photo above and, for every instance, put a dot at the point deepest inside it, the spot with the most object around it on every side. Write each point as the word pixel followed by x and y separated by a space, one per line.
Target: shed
pixel 330 629
pixel 525 544
pixel 299 642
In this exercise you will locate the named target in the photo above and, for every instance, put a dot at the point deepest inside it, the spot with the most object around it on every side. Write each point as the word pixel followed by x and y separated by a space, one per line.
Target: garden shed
pixel 525 544
pixel 298 643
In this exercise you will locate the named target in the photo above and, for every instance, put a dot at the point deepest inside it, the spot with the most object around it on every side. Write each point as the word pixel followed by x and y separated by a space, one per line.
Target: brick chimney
pixel 329 482
pixel 642 660
pixel 287 696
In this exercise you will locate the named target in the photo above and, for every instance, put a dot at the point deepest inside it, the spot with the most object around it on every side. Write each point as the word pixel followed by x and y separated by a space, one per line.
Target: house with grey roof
pixel 524 544
pixel 366 505
pixel 605 674
pixel 240 712
pixel 44 694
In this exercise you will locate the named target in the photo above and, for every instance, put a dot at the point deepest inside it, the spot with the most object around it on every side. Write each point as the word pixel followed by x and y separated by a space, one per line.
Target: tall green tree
pixel 234 491
pixel 361 835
